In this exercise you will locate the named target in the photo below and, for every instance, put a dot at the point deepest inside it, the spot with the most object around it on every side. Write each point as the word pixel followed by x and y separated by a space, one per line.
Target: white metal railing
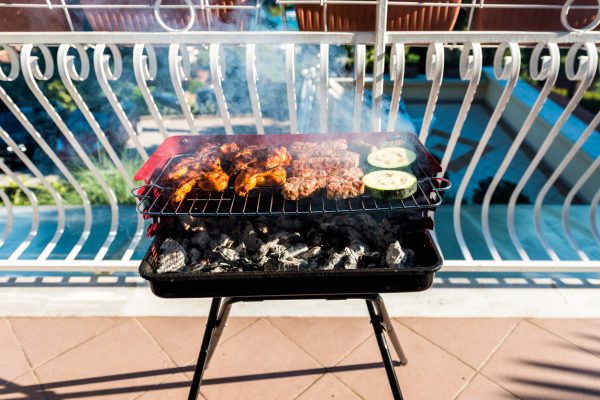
pixel 108 60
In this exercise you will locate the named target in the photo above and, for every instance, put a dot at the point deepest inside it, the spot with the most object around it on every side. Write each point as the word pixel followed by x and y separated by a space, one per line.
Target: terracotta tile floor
pixel 298 358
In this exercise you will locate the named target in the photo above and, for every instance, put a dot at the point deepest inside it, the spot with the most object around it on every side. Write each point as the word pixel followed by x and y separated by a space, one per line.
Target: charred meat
pixel 253 177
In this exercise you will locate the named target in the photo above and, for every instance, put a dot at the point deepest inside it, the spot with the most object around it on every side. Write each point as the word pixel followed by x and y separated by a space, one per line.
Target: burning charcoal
pixel 200 266
pixel 288 224
pixel 200 240
pixel 249 238
pixel 171 258
pixel 395 256
pixel 271 265
pixel 222 241
pixel 288 239
pixel 333 261
pixel 292 263
pixel 271 248
pixel 192 224
pixel 229 254
pixel 311 253
pixel 262 226
pixel 370 260
pixel 241 249
pixel 314 237
pixel 295 250
pixel 194 256
pixel 217 270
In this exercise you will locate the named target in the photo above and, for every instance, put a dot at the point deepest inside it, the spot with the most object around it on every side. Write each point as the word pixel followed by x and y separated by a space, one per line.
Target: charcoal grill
pixel 229 288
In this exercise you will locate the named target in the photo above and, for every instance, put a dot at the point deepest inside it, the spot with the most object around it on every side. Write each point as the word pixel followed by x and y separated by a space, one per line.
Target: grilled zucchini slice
pixel 391 158
pixel 390 184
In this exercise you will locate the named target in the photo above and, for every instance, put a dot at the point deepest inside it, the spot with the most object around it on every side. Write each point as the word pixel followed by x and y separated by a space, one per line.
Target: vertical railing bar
pixel 144 69
pixel 379 64
pixel 587 71
pixel 67 73
pixel 28 64
pixel 251 79
pixel 360 51
pixel 435 72
pixel 324 88
pixel 60 225
pixel 9 217
pixel 219 203
pixel 549 71
pixel 593 207
pixel 216 76
pixel 397 64
pixel 290 82
pixel 470 68
pixel 553 178
pixel 179 70
pixel 567 206
pixel 103 74
pixel 35 222
pixel 509 72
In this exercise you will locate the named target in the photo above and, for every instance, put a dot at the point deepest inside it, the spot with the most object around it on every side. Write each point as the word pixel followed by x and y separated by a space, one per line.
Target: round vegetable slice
pixel 391 157
pixel 390 184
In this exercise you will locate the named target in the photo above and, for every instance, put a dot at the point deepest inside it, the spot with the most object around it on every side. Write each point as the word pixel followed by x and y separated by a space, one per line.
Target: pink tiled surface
pixel 298 358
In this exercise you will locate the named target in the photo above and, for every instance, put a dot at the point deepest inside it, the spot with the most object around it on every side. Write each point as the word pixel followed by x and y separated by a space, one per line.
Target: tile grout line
pixel 308 387
pixel 163 351
pixel 433 343
pixel 327 369
pixel 22 349
pixel 348 355
pixel 221 342
pixel 82 343
pixel 484 362
pixel 531 321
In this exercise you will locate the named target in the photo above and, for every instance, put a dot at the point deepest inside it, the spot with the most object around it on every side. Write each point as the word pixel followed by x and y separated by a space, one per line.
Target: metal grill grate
pixel 155 200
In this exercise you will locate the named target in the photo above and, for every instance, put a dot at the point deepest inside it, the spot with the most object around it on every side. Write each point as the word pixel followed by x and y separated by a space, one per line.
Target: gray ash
pixel 229 244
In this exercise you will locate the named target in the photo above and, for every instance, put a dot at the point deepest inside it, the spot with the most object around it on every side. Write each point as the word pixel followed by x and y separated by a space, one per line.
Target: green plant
pixel 413 58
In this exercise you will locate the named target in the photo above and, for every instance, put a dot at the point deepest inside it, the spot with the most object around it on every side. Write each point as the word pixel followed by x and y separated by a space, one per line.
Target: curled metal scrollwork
pixel 564 18
pixel 14 64
pixel 69 62
pixel 102 61
pixel 189 24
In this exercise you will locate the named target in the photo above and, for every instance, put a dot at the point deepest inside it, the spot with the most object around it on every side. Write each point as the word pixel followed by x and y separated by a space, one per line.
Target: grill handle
pixel 440 184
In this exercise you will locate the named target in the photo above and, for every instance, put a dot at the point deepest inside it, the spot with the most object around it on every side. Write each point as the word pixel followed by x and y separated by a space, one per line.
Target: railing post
pixel 379 65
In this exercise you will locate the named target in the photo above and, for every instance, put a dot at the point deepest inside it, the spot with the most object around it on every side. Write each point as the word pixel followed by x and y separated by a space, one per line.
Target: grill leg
pixel 221 323
pixel 378 326
pixel 211 325
pixel 389 328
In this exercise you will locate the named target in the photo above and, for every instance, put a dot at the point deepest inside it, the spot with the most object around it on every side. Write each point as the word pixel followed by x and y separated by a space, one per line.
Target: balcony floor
pixel 299 358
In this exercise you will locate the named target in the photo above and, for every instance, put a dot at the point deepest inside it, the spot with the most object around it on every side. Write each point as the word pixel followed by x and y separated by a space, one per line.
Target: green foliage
pixel 87 181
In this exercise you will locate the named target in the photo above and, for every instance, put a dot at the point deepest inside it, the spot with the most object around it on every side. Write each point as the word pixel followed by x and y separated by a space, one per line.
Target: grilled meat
pixel 297 187
pixel 253 177
pixel 263 157
pixel 329 164
pixel 211 181
pixel 344 187
pixel 310 149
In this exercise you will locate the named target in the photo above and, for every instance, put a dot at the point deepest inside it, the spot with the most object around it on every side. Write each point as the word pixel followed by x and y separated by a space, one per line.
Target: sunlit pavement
pixel 299 358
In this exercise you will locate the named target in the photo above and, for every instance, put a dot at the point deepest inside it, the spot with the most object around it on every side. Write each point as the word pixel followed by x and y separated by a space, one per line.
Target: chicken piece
pixel 210 181
pixel 259 157
pixel 214 181
pixel 192 164
pixel 254 177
